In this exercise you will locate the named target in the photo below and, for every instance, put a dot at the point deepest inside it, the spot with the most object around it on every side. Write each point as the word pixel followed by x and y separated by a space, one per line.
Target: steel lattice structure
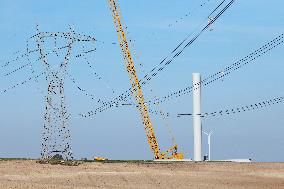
pixel 56 132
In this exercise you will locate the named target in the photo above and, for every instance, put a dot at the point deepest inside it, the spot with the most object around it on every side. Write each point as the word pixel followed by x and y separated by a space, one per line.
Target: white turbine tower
pixel 196 115
pixel 209 143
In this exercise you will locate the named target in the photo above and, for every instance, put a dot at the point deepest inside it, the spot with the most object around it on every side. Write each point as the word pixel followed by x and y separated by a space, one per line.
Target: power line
pixel 165 62
pixel 29 51
pixel 182 46
pixel 21 83
pixel 226 71
pixel 246 108
pixel 210 79
pixel 180 19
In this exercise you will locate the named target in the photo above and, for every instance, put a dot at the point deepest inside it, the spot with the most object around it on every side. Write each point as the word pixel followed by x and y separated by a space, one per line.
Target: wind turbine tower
pixel 197 127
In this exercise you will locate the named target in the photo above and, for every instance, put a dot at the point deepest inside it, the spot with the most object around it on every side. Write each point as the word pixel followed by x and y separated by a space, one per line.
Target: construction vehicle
pixel 136 88
pixel 100 159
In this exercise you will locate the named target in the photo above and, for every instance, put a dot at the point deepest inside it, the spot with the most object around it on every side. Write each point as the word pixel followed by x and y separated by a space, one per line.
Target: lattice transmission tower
pixel 56 131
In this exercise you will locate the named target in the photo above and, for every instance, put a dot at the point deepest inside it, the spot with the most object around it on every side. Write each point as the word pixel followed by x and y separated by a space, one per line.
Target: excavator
pixel 137 92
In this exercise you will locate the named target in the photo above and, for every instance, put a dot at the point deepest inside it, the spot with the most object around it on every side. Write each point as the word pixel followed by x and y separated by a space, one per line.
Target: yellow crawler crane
pixel 137 90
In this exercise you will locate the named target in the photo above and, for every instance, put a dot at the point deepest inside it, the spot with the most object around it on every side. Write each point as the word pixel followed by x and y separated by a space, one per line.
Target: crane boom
pixel 136 87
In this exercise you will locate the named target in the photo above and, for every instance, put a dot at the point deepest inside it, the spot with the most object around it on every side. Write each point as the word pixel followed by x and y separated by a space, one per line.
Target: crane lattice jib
pixel 136 87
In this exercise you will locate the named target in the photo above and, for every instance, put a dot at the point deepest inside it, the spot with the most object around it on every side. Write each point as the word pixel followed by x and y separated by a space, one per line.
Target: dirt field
pixel 29 174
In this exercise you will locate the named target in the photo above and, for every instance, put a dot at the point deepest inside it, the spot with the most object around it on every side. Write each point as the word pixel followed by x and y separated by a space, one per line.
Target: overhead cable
pixel 165 62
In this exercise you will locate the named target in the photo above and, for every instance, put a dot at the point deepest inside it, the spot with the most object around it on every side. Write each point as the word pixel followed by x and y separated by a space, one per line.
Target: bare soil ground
pixel 27 174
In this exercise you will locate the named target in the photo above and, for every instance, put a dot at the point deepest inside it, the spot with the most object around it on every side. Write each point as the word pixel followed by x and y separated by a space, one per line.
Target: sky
pixel 155 28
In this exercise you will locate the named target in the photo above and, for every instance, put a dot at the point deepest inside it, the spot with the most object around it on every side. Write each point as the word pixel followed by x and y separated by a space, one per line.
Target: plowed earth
pixel 27 174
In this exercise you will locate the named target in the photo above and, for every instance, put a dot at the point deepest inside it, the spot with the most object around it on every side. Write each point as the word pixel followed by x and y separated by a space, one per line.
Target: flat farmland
pixel 27 174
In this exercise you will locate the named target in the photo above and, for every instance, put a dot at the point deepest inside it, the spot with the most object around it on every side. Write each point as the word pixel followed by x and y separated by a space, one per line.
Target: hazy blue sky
pixel 118 133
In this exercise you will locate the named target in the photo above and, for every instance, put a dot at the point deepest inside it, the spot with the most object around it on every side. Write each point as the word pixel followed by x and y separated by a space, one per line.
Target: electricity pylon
pixel 56 132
